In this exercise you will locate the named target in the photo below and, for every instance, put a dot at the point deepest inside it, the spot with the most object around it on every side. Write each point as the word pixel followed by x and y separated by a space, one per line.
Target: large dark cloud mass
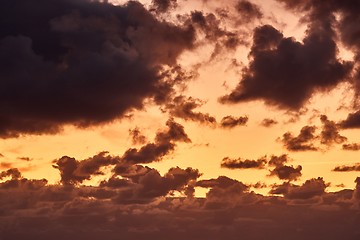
pixel 80 62
pixel 284 72
pixel 139 209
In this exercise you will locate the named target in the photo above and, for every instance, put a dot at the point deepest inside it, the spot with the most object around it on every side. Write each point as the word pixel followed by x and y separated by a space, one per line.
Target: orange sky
pixel 210 144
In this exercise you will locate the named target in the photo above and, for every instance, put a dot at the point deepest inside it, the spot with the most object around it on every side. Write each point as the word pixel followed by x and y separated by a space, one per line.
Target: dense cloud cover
pixel 80 62
pixel 86 63
pixel 139 207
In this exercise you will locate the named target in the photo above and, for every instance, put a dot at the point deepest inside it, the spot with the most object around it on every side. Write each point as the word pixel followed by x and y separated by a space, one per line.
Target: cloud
pixel 151 185
pixel 14 173
pixel 311 188
pixel 182 107
pixel 267 122
pixel 212 30
pixel 351 147
pixel 341 15
pixel 285 73
pixel 330 134
pixel 307 137
pixel 165 142
pixel 352 121
pixel 283 171
pixel 243 164
pixel 302 142
pixel 27 159
pixel 81 62
pixel 324 14
pixel 139 210
pixel 347 168
pixel 276 165
pixel 162 6
pixel 73 171
pixel 248 11
pixel 136 136
pixel 231 121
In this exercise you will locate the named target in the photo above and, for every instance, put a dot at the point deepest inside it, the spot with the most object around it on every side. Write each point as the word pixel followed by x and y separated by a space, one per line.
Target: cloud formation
pixel 352 121
pixel 282 171
pixel 306 140
pixel 243 164
pixel 302 142
pixel 31 208
pixel 268 122
pixel 284 72
pixel 311 188
pixel 231 121
pixel 351 147
pixel 182 107
pixel 80 62
pixel 347 168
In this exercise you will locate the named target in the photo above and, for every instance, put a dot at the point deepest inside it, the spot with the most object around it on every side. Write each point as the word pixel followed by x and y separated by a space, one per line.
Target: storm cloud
pixel 284 72
pixel 80 62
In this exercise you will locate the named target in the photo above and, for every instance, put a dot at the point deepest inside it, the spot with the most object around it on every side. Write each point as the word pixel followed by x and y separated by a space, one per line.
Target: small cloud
pixel 268 122
pixel 231 121
pixel 243 163
pixel 347 168
pixel 351 147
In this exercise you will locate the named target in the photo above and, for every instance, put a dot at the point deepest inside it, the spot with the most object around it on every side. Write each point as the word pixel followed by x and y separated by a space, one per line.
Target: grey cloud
pixel 81 62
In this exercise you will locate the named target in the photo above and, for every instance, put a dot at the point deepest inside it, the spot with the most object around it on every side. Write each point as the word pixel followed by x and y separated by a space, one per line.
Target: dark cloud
pixel 221 182
pixel 165 142
pixel 311 188
pixel 351 147
pixel 182 107
pixel 342 15
pixel 248 11
pixel 213 31
pixel 307 137
pixel 268 122
pixel 277 165
pixel 330 133
pixel 136 136
pixel 321 12
pixel 14 173
pixel 352 121
pixel 162 6
pixel 243 164
pixel 80 62
pixel 283 171
pixel 150 185
pixel 287 172
pixel 302 142
pixel 139 210
pixel 347 168
pixel 231 121
pixel 284 72
pixel 73 171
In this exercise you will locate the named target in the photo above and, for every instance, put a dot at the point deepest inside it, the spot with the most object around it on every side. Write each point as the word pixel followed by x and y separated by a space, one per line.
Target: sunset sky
pixel 195 119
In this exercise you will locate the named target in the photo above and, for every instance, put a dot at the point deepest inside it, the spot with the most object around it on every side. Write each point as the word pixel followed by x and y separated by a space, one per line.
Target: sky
pixel 195 119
